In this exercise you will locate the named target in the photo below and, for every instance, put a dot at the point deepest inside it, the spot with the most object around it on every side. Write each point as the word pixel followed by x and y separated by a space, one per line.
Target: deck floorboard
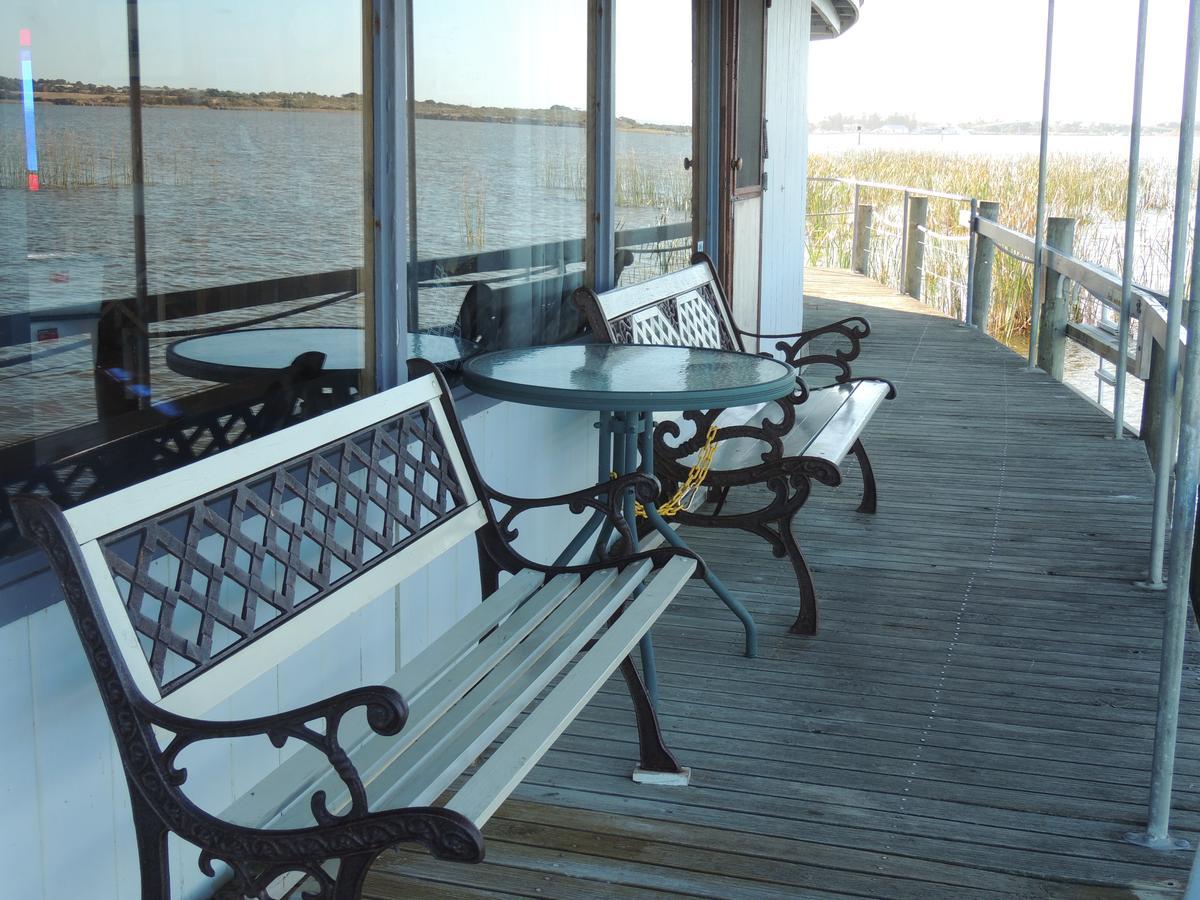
pixel 975 717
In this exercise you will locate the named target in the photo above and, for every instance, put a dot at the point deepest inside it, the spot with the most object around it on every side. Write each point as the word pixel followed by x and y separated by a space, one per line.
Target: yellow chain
pixel 691 484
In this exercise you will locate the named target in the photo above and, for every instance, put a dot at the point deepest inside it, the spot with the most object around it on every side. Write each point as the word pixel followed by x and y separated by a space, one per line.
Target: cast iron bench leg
pixel 806 619
pixel 654 755
pixel 868 504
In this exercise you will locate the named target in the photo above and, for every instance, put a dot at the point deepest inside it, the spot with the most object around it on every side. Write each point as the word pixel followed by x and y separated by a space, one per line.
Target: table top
pixel 233 355
pixel 628 377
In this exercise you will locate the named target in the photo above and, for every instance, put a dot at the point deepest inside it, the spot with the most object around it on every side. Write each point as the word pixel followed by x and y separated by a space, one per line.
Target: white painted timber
pixel 743 293
pixel 263 802
pixel 491 784
pixel 435 761
pixel 785 100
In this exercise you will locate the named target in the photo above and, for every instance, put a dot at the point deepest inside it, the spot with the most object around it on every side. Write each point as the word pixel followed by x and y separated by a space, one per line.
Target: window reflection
pixel 229 198
pixel 499 170
pixel 653 49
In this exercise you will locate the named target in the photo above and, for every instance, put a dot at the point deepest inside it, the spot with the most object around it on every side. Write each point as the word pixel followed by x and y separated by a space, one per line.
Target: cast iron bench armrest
pixel 853 328
pixel 607 498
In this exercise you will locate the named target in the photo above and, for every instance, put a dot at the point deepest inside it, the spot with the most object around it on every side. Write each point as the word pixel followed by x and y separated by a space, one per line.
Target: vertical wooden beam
pixel 981 273
pixel 1052 331
pixel 601 128
pixel 914 246
pixel 861 251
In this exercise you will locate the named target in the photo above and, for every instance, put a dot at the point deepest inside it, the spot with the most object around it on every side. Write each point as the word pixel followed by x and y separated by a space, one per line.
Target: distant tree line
pixel 875 121
pixel 79 93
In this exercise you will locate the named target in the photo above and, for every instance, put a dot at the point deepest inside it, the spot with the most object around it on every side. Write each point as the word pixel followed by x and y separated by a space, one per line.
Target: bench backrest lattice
pixel 271 544
pixel 681 309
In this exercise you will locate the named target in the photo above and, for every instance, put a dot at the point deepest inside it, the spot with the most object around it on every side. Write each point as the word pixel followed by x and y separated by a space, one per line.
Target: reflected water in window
pixel 499 170
pixel 653 67
pixel 222 190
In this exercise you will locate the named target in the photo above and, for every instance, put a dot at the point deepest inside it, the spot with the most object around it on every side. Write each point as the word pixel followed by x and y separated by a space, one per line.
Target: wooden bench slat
pixel 491 784
pixel 308 770
pixel 834 441
pixel 433 763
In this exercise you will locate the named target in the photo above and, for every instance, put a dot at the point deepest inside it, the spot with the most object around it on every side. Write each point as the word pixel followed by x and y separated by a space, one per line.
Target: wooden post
pixel 862 238
pixel 914 246
pixel 985 257
pixel 1052 331
pixel 1156 385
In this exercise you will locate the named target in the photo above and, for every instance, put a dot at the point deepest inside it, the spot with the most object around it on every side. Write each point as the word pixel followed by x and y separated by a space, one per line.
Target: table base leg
pixel 735 606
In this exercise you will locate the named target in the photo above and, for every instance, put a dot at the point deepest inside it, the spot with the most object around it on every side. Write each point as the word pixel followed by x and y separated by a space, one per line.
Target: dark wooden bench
pixel 782 446
pixel 187 586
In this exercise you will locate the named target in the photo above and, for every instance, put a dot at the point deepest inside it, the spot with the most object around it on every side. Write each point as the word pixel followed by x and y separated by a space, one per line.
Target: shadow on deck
pixel 975 716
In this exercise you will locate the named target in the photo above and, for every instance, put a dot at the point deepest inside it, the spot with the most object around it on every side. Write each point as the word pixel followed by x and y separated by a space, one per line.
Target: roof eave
pixel 831 18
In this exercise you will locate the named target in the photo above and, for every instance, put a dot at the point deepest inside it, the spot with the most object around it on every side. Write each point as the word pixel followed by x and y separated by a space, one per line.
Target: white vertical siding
pixel 786 102
pixel 65 824
pixel 744 296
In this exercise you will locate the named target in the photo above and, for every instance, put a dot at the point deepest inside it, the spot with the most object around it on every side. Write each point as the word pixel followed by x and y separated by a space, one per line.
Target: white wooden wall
pixel 65 825
pixel 784 201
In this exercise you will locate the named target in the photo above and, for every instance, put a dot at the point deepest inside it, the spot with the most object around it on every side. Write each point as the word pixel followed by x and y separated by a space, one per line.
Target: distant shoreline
pixel 57 92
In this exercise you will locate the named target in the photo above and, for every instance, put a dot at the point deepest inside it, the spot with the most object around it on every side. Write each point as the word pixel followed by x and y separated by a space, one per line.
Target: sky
pixel 530 53
pixel 938 60
pixel 968 60
pixel 237 45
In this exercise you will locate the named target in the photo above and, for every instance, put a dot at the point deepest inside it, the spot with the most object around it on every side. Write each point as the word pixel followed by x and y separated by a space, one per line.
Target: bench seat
pixel 827 425
pixel 783 446
pixel 188 586
pixel 467 688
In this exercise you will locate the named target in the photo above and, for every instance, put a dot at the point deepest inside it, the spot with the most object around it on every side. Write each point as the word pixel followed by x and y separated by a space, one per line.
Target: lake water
pixel 243 195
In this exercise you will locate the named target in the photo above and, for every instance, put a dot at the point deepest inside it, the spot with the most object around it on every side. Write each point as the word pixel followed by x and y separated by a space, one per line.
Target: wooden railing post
pixel 985 257
pixel 1052 331
pixel 1156 386
pixel 914 246
pixel 861 249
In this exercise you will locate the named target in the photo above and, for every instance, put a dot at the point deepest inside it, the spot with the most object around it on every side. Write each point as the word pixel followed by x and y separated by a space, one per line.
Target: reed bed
pixel 1090 189
pixel 641 183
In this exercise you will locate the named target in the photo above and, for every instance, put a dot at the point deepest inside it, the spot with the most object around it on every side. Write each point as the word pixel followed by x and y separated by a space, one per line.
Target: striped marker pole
pixel 31 161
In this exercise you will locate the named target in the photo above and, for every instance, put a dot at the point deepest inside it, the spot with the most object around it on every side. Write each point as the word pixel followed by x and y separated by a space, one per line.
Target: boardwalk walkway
pixel 974 718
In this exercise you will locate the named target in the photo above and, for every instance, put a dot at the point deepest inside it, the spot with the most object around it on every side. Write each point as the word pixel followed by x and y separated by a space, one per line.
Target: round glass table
pixel 233 355
pixel 626 384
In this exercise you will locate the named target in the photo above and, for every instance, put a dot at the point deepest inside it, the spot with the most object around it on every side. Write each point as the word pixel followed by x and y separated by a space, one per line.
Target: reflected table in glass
pixel 627 384
pixel 244 353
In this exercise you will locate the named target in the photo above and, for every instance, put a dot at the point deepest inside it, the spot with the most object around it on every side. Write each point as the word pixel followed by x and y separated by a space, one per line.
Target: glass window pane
pixel 146 237
pixel 499 172
pixel 749 94
pixel 653 68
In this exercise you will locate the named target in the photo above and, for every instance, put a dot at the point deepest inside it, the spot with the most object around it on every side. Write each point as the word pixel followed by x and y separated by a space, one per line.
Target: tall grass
pixel 640 182
pixel 67 160
pixel 473 200
pixel 1090 189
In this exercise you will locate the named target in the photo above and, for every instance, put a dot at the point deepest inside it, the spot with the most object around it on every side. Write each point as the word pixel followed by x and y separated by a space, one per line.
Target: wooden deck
pixel 975 717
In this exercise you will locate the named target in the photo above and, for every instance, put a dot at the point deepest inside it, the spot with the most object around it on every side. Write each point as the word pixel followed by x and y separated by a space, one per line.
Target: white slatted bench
pixel 186 587
pixel 783 445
